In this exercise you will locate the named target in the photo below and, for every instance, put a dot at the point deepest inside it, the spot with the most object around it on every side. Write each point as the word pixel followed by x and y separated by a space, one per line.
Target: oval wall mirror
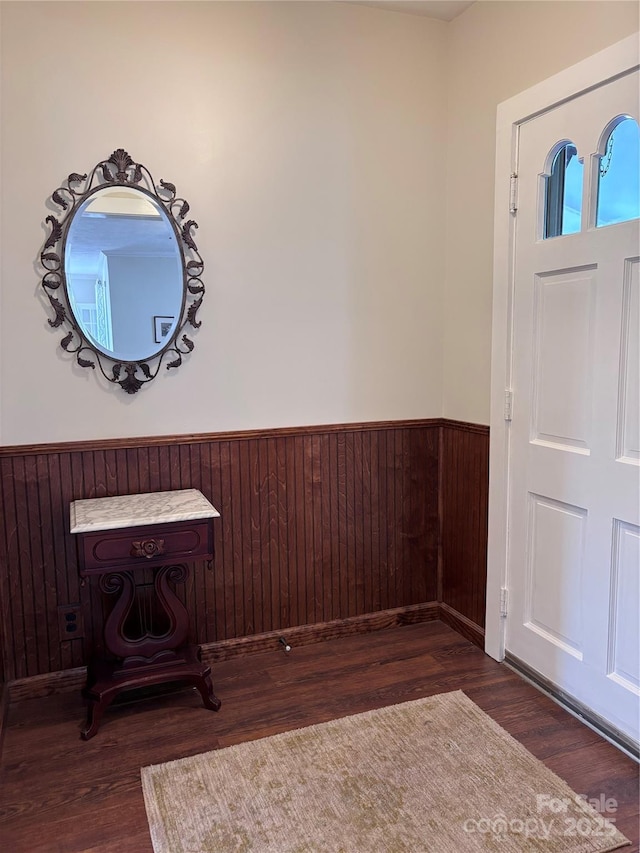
pixel 126 279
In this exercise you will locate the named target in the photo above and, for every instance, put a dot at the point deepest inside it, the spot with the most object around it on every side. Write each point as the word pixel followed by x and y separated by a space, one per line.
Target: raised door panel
pixel 562 381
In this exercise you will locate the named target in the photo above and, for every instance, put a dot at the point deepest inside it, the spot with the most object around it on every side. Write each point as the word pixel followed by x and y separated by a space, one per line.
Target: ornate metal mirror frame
pixel 119 170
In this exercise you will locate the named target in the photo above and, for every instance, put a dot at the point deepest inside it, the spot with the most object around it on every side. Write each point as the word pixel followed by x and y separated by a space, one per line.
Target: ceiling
pixel 445 10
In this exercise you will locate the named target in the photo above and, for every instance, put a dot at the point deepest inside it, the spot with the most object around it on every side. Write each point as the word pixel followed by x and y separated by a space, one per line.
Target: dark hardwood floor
pixel 58 793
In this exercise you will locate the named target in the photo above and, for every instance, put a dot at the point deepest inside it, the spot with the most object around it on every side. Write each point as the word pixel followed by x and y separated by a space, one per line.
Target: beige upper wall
pixel 496 50
pixel 311 141
pixel 303 136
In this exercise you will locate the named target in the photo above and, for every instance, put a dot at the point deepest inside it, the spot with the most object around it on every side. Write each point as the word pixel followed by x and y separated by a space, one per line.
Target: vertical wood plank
pixel 232 526
pixel 214 571
pixel 224 558
pixel 8 560
pixel 60 536
pixel 464 519
pixel 282 533
pixel 253 488
pixel 143 468
pixel 374 515
pixel 262 490
pixel 317 613
pixel 293 532
pixel 111 475
pixel 175 479
pixel 351 563
pixel 342 580
pixel 180 477
pixel 195 474
pixel 383 520
pixel 310 530
pixel 48 561
pixel 273 530
pixel 14 663
pixel 358 524
pixel 326 555
pixel 399 525
pixel 35 522
pixel 333 527
pixel 367 569
pixel 153 466
pixel 244 496
pixel 26 598
pixel 392 565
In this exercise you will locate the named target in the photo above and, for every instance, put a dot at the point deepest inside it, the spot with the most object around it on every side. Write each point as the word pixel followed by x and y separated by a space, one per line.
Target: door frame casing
pixel 605 66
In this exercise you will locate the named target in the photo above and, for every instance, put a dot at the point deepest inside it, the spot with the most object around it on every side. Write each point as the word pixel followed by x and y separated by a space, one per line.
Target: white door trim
pixel 608 64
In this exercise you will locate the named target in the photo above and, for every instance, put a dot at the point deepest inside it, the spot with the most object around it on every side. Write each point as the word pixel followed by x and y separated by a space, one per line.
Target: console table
pixel 140 547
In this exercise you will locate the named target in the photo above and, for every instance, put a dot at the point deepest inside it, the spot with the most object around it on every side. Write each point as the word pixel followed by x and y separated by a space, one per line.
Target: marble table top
pixel 138 510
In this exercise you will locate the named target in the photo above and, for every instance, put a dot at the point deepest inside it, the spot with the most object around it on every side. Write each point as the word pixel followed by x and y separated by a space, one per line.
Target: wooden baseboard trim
pixel 39 686
pixel 463 625
pixel 305 635
pixel 65 681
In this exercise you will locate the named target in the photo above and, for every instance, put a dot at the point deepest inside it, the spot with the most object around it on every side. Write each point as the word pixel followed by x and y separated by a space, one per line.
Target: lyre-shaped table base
pixel 149 658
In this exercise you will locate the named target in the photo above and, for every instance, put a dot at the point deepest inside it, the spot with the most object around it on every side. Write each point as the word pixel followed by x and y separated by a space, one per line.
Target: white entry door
pixel 574 477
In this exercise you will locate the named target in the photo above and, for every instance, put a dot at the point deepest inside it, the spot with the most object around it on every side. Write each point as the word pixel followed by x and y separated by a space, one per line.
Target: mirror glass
pixel 124 273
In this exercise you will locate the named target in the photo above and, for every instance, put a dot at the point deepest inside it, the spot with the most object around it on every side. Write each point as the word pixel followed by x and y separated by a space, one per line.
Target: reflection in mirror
pixel 126 279
pixel 122 269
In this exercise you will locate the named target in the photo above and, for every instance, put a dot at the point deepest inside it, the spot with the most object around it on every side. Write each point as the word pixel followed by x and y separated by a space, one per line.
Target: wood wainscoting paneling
pixel 317 524
pixel 464 507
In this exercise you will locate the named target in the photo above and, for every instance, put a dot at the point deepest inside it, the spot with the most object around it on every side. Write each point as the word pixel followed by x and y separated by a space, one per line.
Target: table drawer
pixel 139 547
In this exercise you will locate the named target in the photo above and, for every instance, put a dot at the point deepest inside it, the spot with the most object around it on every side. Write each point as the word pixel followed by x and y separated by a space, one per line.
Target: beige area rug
pixel 435 775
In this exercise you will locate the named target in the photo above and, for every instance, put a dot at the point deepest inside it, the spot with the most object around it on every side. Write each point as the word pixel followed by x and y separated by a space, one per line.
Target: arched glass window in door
pixel 619 174
pixel 563 204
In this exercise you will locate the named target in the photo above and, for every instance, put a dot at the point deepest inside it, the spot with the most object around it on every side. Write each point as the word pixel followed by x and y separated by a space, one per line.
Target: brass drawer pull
pixel 147 548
